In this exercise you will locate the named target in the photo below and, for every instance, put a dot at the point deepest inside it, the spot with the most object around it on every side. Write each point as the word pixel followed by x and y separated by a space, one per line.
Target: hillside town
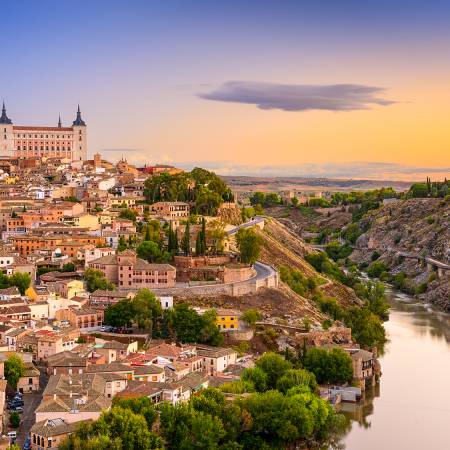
pixel 107 280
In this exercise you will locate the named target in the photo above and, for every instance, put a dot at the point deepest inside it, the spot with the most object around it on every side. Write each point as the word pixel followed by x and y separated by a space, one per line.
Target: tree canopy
pixel 329 366
pixel 21 280
pixel 249 245
pixel 14 369
pixel 95 279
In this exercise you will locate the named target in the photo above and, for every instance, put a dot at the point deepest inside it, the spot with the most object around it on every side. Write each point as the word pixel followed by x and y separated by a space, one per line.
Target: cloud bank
pixel 299 97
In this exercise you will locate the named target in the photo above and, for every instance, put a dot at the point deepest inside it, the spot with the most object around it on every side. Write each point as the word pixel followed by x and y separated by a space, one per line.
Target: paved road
pixel 263 270
pixel 248 224
pixel 31 402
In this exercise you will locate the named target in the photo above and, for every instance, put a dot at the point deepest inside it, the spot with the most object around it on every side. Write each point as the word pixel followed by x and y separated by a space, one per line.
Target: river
pixel 410 409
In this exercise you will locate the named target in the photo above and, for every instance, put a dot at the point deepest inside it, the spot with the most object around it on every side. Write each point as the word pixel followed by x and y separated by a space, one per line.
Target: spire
pixel 79 121
pixel 59 122
pixel 4 120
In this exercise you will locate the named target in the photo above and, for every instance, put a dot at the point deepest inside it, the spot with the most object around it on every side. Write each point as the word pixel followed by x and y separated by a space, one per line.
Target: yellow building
pixel 12 179
pixel 122 201
pixel 227 319
pixel 87 221
pixel 31 293
pixel 71 288
pixel 105 219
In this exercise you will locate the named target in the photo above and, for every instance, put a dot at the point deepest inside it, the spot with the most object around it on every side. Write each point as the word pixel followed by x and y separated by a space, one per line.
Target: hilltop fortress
pixel 25 141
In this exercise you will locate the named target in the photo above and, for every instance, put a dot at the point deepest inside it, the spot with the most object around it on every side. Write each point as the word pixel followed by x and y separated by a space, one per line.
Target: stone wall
pixel 201 261
pixel 235 289
pixel 238 273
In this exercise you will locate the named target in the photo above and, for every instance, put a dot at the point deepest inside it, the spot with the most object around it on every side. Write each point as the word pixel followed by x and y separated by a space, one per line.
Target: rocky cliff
pixel 416 227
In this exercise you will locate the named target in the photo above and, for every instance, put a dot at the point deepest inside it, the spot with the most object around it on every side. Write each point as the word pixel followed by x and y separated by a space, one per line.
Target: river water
pixel 410 409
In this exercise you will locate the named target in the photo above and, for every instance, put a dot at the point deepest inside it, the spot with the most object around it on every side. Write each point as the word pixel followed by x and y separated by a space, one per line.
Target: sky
pixel 345 88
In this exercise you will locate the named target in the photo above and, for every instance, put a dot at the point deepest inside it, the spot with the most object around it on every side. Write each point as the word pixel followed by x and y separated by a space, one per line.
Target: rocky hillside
pixel 281 247
pixel 414 226
pixel 301 220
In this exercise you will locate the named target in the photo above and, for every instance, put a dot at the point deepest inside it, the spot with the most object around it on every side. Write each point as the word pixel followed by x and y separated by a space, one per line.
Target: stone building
pixel 24 141
pixel 129 272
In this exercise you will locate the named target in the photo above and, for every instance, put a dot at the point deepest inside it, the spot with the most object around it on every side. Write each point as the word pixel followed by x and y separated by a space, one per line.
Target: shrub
pixel 14 419
pixel 421 288
pixel 376 269
pixel 375 256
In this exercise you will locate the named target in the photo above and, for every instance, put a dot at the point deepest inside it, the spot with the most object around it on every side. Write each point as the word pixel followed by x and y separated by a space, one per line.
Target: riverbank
pixel 410 409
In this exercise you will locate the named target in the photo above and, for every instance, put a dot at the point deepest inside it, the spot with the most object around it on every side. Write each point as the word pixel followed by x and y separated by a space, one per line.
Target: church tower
pixel 80 138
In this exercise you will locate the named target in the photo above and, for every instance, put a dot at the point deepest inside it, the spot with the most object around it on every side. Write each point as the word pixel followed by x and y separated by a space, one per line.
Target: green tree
pixel 216 235
pixel 21 281
pixel 150 251
pixel 251 316
pixel 249 245
pixel 374 294
pixel 367 328
pixel 376 269
pixel 141 405
pixel 281 419
pixel 14 369
pixel 329 367
pixel 147 236
pixel 120 428
pixel 68 267
pixel 146 309
pixel 122 245
pixel 209 332
pixel 187 323
pixel 185 428
pixel 203 246
pixel 207 202
pixel 128 214
pixel 95 279
pixel 296 377
pixel 186 240
pixel 198 244
pixel 257 377
pixel 176 245
pixel 120 314
pixel 274 366
pixel 14 419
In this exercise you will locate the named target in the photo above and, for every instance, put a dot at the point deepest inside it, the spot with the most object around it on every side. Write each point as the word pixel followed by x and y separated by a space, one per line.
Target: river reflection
pixel 410 409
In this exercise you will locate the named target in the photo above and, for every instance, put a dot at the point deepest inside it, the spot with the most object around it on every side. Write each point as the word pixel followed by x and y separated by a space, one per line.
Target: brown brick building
pixel 129 272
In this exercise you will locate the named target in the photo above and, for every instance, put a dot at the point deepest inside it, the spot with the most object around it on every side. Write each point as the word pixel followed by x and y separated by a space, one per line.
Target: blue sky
pixel 142 72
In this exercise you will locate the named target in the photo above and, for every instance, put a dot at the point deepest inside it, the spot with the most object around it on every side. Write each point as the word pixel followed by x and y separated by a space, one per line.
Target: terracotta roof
pixel 54 427
pixel 66 359
pixel 108 368
pixel 214 352
pixel 112 294
pixel 147 370
pixel 139 389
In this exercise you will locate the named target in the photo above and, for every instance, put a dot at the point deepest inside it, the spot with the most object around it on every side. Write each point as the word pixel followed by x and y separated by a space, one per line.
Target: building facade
pixel 24 141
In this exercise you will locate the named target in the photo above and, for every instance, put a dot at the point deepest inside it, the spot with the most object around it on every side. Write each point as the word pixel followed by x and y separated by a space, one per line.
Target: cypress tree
pixel 198 244
pixel 175 242
pixel 147 233
pixel 203 237
pixel 170 243
pixel 186 243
